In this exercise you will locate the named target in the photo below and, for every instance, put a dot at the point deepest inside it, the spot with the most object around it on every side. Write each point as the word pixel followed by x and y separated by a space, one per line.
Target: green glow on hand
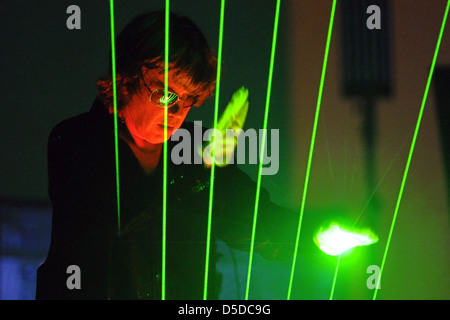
pixel 337 239
pixel 164 205
pixel 236 111
pixel 411 150
pixel 116 135
pixel 262 147
pixel 233 118
pixel 211 184
pixel 311 149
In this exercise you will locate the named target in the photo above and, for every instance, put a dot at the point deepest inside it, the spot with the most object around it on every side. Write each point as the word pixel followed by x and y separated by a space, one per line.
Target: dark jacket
pixel 120 255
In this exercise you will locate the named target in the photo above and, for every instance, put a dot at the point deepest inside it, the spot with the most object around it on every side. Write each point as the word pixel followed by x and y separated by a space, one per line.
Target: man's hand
pixel 229 127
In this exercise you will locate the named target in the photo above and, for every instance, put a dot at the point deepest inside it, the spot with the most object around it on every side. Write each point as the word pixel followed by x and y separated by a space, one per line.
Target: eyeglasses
pixel 161 100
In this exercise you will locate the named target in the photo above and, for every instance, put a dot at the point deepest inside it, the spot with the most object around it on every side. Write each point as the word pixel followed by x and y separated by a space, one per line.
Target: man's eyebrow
pixel 161 84
pixel 187 93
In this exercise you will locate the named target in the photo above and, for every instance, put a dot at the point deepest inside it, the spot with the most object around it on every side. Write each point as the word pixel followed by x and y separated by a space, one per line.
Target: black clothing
pixel 85 230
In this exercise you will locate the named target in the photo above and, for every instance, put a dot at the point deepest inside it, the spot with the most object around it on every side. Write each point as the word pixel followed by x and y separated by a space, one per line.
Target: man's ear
pixel 203 97
pixel 199 102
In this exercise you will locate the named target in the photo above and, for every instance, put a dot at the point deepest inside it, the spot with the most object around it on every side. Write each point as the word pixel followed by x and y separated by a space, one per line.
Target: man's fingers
pixel 235 113
pixel 224 139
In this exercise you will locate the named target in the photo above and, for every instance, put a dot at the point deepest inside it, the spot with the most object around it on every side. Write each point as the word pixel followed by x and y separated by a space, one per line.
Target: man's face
pixel 145 119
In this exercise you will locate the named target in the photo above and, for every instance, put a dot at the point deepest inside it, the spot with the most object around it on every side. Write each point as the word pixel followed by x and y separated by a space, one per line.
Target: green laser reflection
pixel 413 143
pixel 335 278
pixel 266 117
pixel 164 205
pixel 211 190
pixel 116 135
pixel 335 239
pixel 311 150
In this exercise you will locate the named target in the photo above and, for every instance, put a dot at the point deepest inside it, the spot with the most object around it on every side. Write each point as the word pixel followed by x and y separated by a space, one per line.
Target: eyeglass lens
pixel 158 97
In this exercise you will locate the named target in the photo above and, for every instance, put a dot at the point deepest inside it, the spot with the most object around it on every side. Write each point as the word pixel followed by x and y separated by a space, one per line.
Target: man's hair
pixel 141 44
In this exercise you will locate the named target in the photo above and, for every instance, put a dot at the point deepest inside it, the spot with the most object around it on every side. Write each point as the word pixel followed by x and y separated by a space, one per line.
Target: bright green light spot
pixel 337 239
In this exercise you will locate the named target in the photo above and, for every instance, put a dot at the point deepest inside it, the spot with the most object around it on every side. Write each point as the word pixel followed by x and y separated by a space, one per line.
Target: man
pixel 119 250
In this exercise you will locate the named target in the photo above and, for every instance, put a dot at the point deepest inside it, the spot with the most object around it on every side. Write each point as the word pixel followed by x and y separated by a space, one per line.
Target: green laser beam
pixel 266 117
pixel 211 183
pixel 362 211
pixel 413 143
pixel 116 135
pixel 164 205
pixel 311 149
pixel 333 286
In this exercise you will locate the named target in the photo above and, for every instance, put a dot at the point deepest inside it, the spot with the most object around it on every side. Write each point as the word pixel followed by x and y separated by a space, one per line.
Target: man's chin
pixel 155 136
pixel 159 137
